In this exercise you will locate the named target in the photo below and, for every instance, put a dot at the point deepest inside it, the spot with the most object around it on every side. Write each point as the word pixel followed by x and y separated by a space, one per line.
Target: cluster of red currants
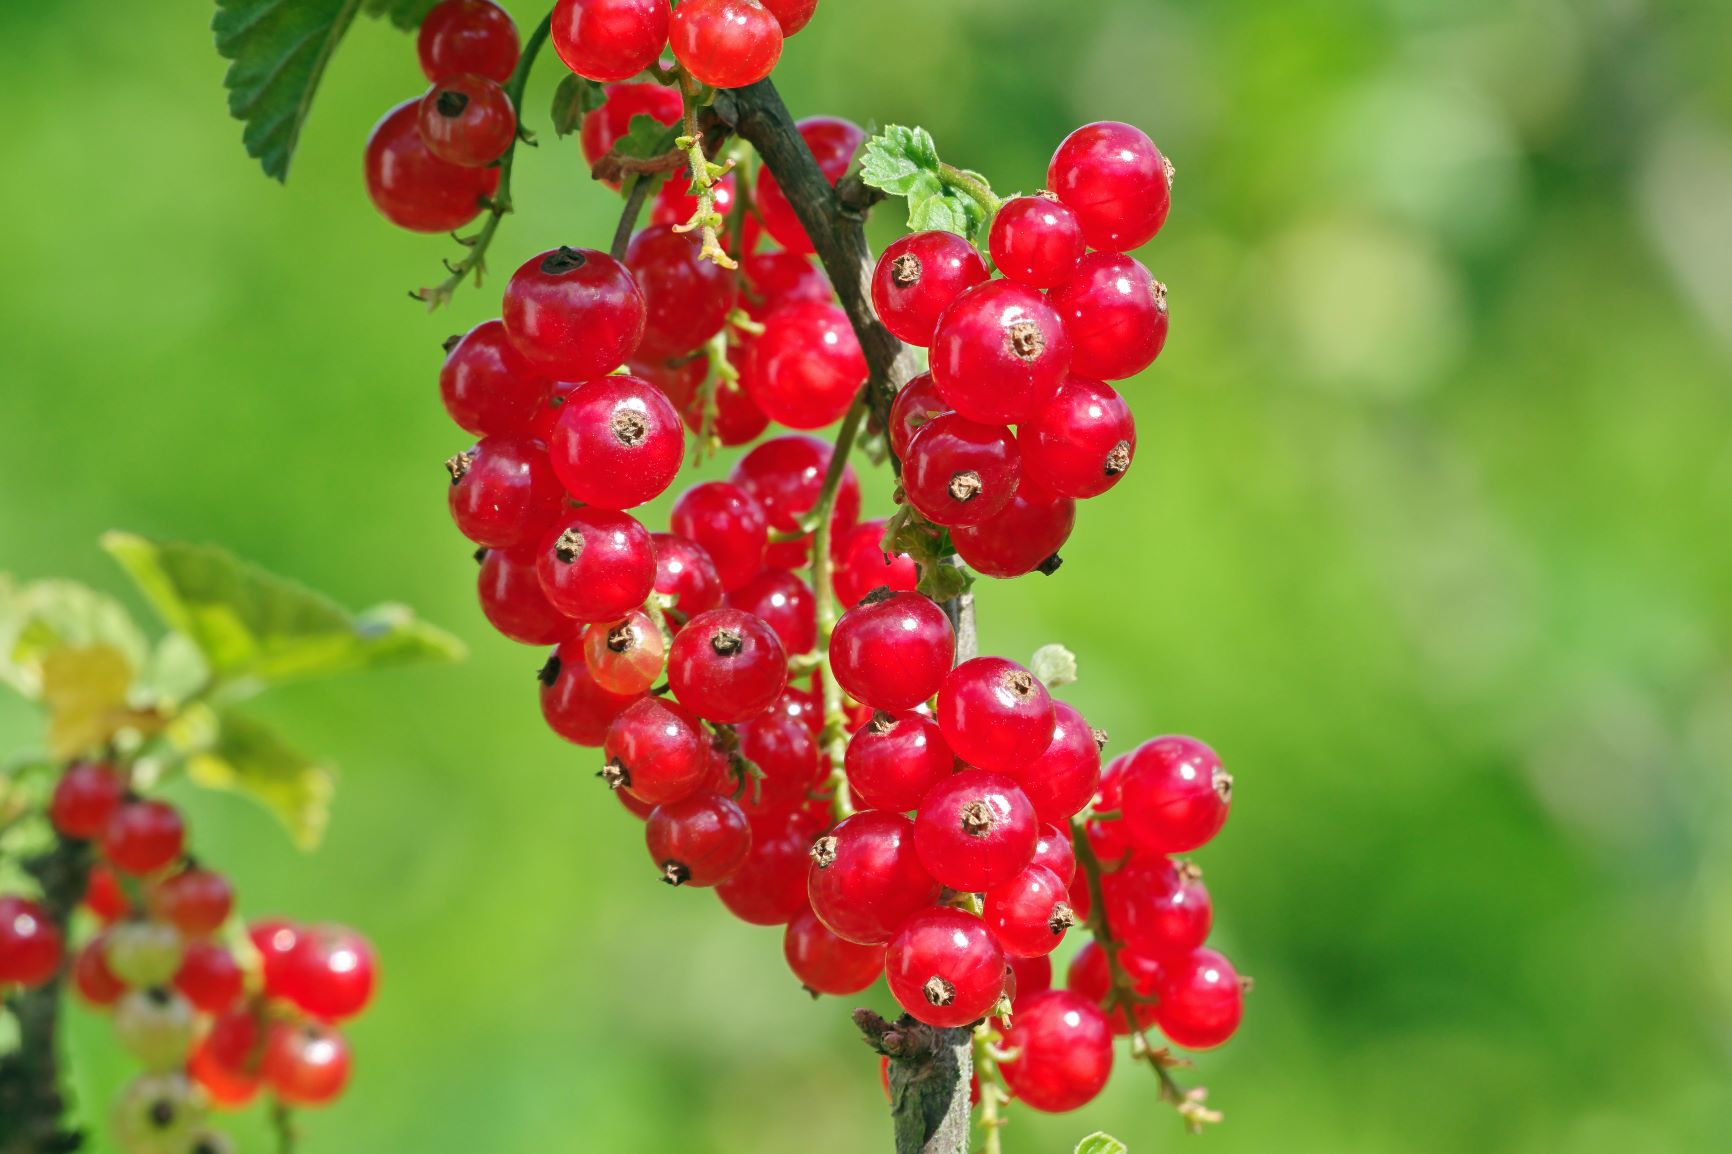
pixel 722 43
pixel 214 1013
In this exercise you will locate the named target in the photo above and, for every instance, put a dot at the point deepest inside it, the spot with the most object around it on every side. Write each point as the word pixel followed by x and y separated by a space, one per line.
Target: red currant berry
pixel 975 830
pixel 893 761
pixel 792 15
pixel 85 797
pixel 861 565
pixel 916 403
pixel 195 901
pixel 656 751
pixel 776 278
pixel 785 603
pixel 827 964
pixel 1201 1000
pixel 305 1064
pixel 625 656
pixel 1157 907
pixel 1116 315
pixel 487 388
pixel 1116 181
pixel 892 652
pixel 770 888
pixel 686 300
pixel 142 837
pixel 467 120
pixel 104 897
pixel 619 443
pixel 275 939
pixel 1028 914
pixel 513 602
pixel 414 189
pixel 608 40
pixel 460 36
pixel 685 572
pixel 574 313
pixel 330 973
pixel 596 565
pixel 675 204
pixel 226 1062
pixel 1028 977
pixel 698 841
pixel 727 666
pixel 726 43
pixel 1062 1052
pixel 945 968
pixel 604 127
pixel 999 353
pixel 995 714
pixel 30 943
pixel 574 706
pixel 1025 535
pixel 806 366
pixel 96 983
pixel 1090 977
pixel 729 524
pixel 1176 795
pixel 1036 240
pixel 958 472
pixel 786 475
pixel 209 977
pixel 785 750
pixel 1062 780
pixel 1082 442
pixel 917 277
pixel 736 420
pixel 833 142
pixel 503 491
pixel 866 879
pixel 1053 850
pixel 679 380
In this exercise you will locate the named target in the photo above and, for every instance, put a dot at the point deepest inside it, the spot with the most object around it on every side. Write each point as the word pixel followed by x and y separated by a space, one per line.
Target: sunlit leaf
pixel 249 757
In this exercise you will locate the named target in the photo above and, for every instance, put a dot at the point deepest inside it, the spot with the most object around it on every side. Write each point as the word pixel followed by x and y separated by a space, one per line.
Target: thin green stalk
pixel 834 738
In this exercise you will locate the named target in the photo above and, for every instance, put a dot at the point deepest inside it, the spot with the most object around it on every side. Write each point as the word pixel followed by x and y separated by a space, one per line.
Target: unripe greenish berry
pixel 144 954
pixel 156 1026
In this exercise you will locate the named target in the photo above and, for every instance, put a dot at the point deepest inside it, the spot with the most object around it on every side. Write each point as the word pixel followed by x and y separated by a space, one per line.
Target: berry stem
pixel 637 191
pixel 834 737
pixel 283 1126
pixel 970 187
pixel 994 1096
pixel 705 218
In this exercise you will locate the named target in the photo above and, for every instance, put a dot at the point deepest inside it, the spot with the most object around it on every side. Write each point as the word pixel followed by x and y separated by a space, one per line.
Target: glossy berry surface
pixel 459 36
pixel 85 797
pixel 467 120
pixel 657 752
pixel 944 967
pixel 1116 314
pixel 209 977
pixel 1025 535
pixel 513 601
pixel 769 888
pixel 917 277
pixel 685 572
pixel 916 403
pixel 1082 442
pixel 574 313
pixel 1157 907
pixel 975 830
pixel 785 750
pixel 226 1062
pixel 698 841
pixel 675 204
pixel 625 656
pixel 1030 913
pixel 892 652
pixel 727 666
pixel 776 277
pixel 142 837
pixel 861 565
pixel 1053 850
pixel 607 40
pixel 1036 240
pixel 959 472
pixel 786 605
pixel 1062 1051
pixel 1201 1000
pixel 729 524
pixel 330 973
pixel 486 386
pixel 999 353
pixel 619 442
pixel 892 762
pixel 1176 795
pixel 30 943
pixel 833 142
pixel 1089 976
pixel 726 43
pixel 596 565
pixel 305 1064
pixel 806 366
pixel 866 879
pixel 604 126
pixel 825 963
pixel 786 475
pixel 572 704
pixel 792 15
pixel 995 714
pixel 1115 180
pixel 686 300
pixel 1063 779
pixel 195 901
pixel 414 189
pixel 503 491
pixel 274 939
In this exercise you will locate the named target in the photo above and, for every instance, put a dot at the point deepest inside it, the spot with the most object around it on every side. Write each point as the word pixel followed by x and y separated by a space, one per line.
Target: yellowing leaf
pixel 85 692
pixel 248 757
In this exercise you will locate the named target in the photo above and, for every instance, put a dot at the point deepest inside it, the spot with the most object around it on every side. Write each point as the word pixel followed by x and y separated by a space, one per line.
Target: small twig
pixel 833 739
pixel 283 1125
pixel 705 220
pixel 637 192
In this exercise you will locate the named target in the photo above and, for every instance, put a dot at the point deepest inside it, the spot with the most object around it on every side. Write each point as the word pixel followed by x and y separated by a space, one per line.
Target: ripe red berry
pixel 995 714
pixel 1062 780
pixel 603 127
pixel 1201 999
pixel 503 491
pixel 513 602
pixel 142 837
pixel 975 830
pixel 486 386
pixel 792 15
pixel 785 603
pixel 414 189
pixel 944 967
pixel 1028 977
pixel 675 204
pixel 656 751
pixel 999 353
pixel 737 420
pixel 619 442
pixel 785 750
pixel 1157 907
pixel 729 524
pixel 209 977
pixel 1024 536
pixel 1061 1052
pixel 30 943
pixel 275 939
pixel 95 982
pixel 467 120
pixel 1053 850
pixel 866 879
pixel 698 841
pixel 460 36
pixel 769 889
pixel 596 565
pixel 1116 315
pixel 195 901
pixel 686 300
pixel 1091 978
pixel 916 403
pixel 625 656
pixel 330 973
pixel 959 472
pixel 678 379
pixel 833 142
pixel 1116 181
pixel 806 366
pixel 825 963
pixel 777 277
pixel 608 40
pixel 786 475
pixel 104 897
pixel 892 652
pixel 726 43
pixel 893 761
pixel 574 706
pixel 85 797
pixel 226 1062
pixel 1175 795
pixel 305 1064
pixel 727 666
pixel 1082 442
pixel 1030 913
pixel 917 277
pixel 574 313
pixel 861 565
pixel 685 572
pixel 1036 240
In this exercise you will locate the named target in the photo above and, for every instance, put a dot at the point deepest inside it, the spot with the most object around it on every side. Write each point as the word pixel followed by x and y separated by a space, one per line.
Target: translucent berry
pixel 226 1062
pixel 806 366
pixel 305 1064
pixel 574 706
pixel 698 841
pixel 786 475
pixel 104 897
pixel 330 973
pixel 736 419
pixel 785 750
pixel 1090 977
pixel 209 977
pixel 685 572
pixel 729 524
pixel 1062 1051
pixel 861 565
pixel 675 204
pixel 1029 976
pixel 513 602
pixel 866 879
pixel 916 403
pixel 619 442
pixel 893 761
pixel 1201 1000
pixel 459 36
pixel 917 277
pixel 686 300
pixel 1063 779
pixel 944 967
pixel 96 982
pixel 596 565
pixel 726 43
pixel 625 656
pixel 959 472
pixel 1116 181
pixel 1053 850
pixel 30 943
pixel 574 313
pixel 503 491
pixel 827 964
pixel 1036 240
pixel 274 939
pixel 657 751
pixel 769 888
pixel 892 651
pixel 1116 315
pixel 142 953
pixel 1025 535
pixel 142 837
pixel 155 1026
pixel 1175 795
pixel 85 797
pixel 995 714
pixel 777 277
pixel 1156 906
pixel 975 830
pixel 1082 442
pixel 467 120
pixel 414 189
pixel 608 40
pixel 999 353
pixel 487 387
pixel 833 142
pixel 785 603
pixel 792 15
pixel 195 901
pixel 1030 913
pixel 727 666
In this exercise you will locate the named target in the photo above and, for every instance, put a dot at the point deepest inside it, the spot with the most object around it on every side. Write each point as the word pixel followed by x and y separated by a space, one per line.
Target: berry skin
pixel 944 967
pixel 995 714
pixel 85 797
pixel 156 1026
pixel 917 277
pixel 503 491
pixel 1030 913
pixel 603 127
pixel 657 752
pixel 686 300
pixel 513 602
pixel 95 982
pixel 1028 977
pixel 999 353
pixel 1025 535
pixel 893 761
pixel 596 565
pixel 461 36
pixel 685 572
pixel 786 475
pixel 1053 850
pixel 861 565
pixel 806 366
pixel 825 963
pixel 785 603
pixel 729 524
pixel 573 705
pixel 467 120
pixel 785 750
pixel 698 841
pixel 275 939
pixel 1036 240
pixel 195 901
pixel 142 837
pixel 1063 779
pixel 1082 442
pixel 226 1062
pixel 1175 795
pixel 866 879
pixel 330 973
pixel 916 403
pixel 727 666
pixel 792 15
pixel 737 419
pixel 1090 977
pixel 414 189
pixel 30 943
pixel 777 277
pixel 679 380
pixel 574 313
pixel 1157 907
pixel 958 472
pixel 892 652
pixel 1063 1052
pixel 104 897
pixel 619 442
pixel 609 40
pixel 625 656
pixel 769 889
pixel 209 978
pixel 726 43
pixel 305 1064
pixel 487 387
pixel 1201 1000
pixel 1116 315
pixel 833 142
pixel 975 830
pixel 142 953
pixel 1116 181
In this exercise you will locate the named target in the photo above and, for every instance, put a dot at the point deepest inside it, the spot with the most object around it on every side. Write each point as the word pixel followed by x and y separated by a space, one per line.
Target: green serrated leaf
pixel 941 211
pixel 249 757
pixel 47 617
pixel 1101 1143
pixel 574 97
pixel 645 137
pixel 1054 664
pixel 405 14
pixel 942 582
pixel 251 625
pixel 898 158
pixel 278 50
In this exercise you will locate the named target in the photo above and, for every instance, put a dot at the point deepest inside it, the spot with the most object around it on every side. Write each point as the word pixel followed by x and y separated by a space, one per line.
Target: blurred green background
pixel 1428 535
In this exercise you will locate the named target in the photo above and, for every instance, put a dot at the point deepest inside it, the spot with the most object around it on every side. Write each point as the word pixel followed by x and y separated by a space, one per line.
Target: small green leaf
pixel 405 14
pixel 574 97
pixel 278 50
pixel 45 617
pixel 943 212
pixel 248 757
pixel 900 161
pixel 646 137
pixel 1054 665
pixel 1101 1143
pixel 250 624
pixel 942 582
